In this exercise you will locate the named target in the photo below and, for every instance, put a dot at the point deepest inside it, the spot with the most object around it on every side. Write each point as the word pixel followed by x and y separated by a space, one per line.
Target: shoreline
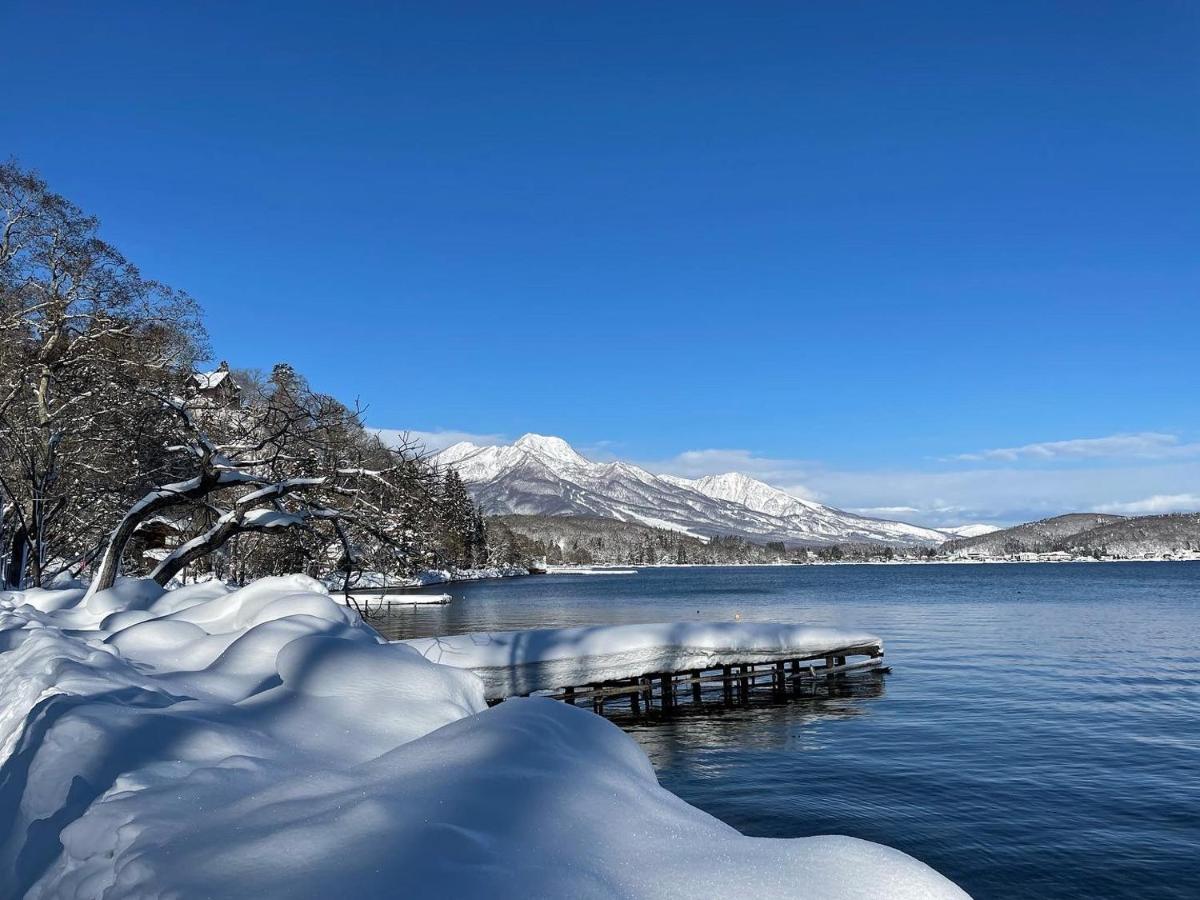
pixel 433 578
pixel 881 562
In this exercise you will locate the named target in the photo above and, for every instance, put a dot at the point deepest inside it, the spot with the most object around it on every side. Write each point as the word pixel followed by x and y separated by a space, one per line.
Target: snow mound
pixel 521 662
pixel 263 742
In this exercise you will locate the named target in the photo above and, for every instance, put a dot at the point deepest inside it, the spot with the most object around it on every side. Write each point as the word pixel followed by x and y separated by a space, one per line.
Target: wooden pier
pixel 656 667
pixel 667 692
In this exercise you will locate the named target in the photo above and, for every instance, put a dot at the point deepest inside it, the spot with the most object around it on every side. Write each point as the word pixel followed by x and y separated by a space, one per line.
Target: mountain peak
pixel 455 452
pixel 757 495
pixel 543 475
pixel 549 446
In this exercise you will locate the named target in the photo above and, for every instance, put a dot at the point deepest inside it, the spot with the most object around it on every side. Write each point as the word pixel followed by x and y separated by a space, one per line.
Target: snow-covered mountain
pixel 541 475
pixel 977 529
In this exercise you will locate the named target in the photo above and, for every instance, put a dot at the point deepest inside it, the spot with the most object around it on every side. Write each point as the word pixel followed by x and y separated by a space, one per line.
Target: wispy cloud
pixel 1142 445
pixel 1159 503
pixel 436 440
pixel 1161 471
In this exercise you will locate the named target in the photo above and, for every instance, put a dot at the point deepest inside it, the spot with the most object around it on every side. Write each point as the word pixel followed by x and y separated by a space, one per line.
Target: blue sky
pixel 853 247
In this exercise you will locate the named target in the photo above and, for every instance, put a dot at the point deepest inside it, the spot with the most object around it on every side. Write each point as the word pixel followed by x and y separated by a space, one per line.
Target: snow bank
pixel 442 576
pixel 588 570
pixel 264 743
pixel 381 580
pixel 520 662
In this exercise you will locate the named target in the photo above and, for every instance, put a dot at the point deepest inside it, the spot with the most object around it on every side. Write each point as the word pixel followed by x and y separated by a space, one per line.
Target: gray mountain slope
pixel 545 476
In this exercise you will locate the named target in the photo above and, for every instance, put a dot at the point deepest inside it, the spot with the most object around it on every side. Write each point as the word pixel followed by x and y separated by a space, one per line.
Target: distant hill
pixel 1088 534
pixel 1041 536
pixel 1140 536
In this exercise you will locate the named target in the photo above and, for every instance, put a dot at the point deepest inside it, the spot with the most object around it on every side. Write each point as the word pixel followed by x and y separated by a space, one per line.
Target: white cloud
pixel 433 441
pixel 884 511
pixel 1159 503
pixel 1142 445
pixel 953 495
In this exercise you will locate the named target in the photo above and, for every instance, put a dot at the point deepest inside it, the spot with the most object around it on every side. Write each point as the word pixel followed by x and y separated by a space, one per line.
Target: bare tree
pixel 79 326
pixel 293 460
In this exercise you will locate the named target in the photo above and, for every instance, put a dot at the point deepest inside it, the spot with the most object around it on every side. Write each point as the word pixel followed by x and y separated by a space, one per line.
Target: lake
pixel 1038 736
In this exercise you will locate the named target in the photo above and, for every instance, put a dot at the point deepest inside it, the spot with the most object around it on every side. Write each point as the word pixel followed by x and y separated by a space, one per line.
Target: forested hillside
pixel 587 540
pixel 1088 534
pixel 1140 536
pixel 1042 536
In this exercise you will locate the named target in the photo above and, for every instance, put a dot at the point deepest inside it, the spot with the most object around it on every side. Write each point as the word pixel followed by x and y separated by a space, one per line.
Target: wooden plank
pixel 746 677
pixel 813 674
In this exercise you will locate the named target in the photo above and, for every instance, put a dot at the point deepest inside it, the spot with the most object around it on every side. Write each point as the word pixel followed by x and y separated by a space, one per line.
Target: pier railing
pixel 664 691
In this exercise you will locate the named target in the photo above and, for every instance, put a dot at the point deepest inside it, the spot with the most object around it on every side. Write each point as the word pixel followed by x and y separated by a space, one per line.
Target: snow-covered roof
pixel 206 381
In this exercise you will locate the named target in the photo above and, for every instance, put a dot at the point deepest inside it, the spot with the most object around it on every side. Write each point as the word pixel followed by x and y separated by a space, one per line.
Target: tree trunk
pixel 18 548
pixel 210 541
pixel 156 501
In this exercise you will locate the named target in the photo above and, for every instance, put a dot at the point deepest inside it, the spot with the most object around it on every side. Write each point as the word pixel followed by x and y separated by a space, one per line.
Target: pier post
pixel 744 683
pixel 780 680
pixel 569 696
pixel 634 704
pixel 647 692
pixel 667 688
pixel 727 684
pixel 795 677
pixel 696 686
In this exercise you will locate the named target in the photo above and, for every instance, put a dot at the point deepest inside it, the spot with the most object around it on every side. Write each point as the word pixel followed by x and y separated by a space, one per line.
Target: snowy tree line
pixel 116 458
pixel 1089 534
pixel 591 540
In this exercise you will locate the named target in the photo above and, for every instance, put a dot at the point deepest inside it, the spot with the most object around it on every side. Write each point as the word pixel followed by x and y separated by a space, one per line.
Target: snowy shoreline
pixel 264 741
pixel 902 562
pixel 376 584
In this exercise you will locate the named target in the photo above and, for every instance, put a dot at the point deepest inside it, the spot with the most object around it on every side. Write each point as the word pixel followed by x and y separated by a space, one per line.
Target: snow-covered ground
pixel 521 662
pixel 370 580
pixel 589 570
pixel 263 742
pixel 389 598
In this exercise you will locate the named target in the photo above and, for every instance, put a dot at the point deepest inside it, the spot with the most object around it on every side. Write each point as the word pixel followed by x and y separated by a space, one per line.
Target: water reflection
pixel 792 725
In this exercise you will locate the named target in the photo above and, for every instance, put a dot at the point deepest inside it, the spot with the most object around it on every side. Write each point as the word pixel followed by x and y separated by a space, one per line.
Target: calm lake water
pixel 1039 735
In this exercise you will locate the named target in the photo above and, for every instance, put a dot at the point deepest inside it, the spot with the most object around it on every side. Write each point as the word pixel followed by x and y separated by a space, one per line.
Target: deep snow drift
pixel 265 743
pixel 543 659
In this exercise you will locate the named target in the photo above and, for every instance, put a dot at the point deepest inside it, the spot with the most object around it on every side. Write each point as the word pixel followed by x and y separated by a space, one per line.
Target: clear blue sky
pixel 849 236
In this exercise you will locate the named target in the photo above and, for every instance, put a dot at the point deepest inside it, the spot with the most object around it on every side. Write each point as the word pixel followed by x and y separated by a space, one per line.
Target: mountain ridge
pixel 545 475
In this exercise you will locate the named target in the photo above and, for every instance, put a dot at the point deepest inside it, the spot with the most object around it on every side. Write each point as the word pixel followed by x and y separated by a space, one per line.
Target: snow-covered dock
pixel 398 597
pixel 648 663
